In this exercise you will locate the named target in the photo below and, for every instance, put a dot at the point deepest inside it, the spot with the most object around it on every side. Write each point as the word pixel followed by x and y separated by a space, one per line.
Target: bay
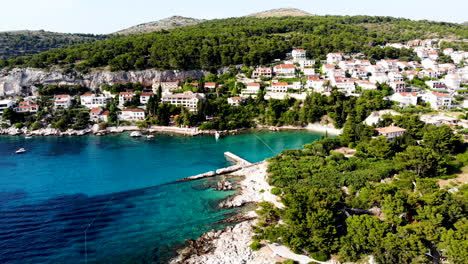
pixel 120 190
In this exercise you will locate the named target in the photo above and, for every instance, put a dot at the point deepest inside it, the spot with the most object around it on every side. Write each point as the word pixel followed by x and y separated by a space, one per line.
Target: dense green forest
pixel 384 201
pixel 249 41
pixel 22 43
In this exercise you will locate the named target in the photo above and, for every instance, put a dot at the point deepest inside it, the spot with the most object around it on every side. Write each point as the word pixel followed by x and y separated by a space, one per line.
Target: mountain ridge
pixel 280 12
pixel 162 24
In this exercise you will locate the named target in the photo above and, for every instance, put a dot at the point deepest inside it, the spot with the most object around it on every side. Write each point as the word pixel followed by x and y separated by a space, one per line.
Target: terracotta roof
pixel 28 106
pixel 126 93
pixel 105 113
pixel 408 94
pixel 280 84
pixel 285 66
pixel 254 84
pixel 210 84
pixel 87 94
pixel 62 96
pixel 133 110
pixel 147 94
pixel 237 98
pixel 440 94
pixel 300 50
pixel 390 129
pixel 95 110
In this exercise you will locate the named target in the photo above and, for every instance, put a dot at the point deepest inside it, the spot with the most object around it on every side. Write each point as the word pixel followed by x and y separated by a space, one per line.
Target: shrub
pixel 319 255
pixel 18 125
pixel 276 191
pixel 255 245
pixel 35 126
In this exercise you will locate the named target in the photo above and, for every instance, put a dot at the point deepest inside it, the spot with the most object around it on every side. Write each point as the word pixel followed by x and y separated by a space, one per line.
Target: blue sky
pixel 106 16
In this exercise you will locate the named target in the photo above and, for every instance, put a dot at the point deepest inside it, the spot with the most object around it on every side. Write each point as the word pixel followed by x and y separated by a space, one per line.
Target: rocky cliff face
pixel 23 82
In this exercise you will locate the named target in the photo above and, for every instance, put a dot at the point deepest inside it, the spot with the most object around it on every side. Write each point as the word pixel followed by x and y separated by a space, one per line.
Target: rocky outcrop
pixel 24 81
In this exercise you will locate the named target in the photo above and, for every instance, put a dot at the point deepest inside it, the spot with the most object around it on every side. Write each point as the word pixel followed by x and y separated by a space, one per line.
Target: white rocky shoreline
pixel 231 244
pixel 190 131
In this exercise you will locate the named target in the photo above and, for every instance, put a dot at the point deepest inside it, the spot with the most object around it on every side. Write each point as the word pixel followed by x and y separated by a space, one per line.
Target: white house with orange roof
pixel 436 85
pixel 326 68
pixel 235 101
pixel 144 97
pixel 94 113
pixel 405 99
pixel 335 57
pixel 344 84
pixel 306 63
pixel 398 87
pixel 315 83
pixel 279 87
pixel 265 72
pixel 210 86
pixel 285 70
pixel 125 97
pixel 188 100
pixel 438 100
pixel 27 107
pixel 62 101
pixel 90 100
pixel 251 89
pixel 366 85
pixel 447 51
pixel 391 132
pixel 298 54
pixel 132 115
pixel 429 64
pixel 359 73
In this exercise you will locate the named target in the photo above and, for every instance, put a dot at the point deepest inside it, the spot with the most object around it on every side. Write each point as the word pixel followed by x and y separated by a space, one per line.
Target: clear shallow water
pixel 123 186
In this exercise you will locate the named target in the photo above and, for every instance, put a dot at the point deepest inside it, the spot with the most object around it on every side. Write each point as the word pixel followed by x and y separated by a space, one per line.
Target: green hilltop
pixel 246 40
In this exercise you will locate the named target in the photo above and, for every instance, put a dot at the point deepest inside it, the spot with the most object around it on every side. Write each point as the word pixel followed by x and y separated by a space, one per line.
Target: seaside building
pixel 62 101
pixel 188 100
pixel 165 86
pixel 91 100
pixel 235 101
pixel 251 89
pixel 391 132
pixel 265 72
pixel 132 115
pixel 438 100
pixel 298 54
pixel 144 97
pixel 279 87
pixel 285 70
pixel 27 107
pixel 4 104
pixel 334 57
pixel 405 99
pixel 125 97
pixel 210 86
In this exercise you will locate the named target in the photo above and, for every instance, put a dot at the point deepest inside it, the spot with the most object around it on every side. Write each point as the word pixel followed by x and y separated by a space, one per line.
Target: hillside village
pixel 436 81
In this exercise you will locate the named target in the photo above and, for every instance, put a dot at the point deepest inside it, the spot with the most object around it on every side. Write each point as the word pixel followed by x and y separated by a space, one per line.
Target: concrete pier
pixel 240 164
pixel 237 159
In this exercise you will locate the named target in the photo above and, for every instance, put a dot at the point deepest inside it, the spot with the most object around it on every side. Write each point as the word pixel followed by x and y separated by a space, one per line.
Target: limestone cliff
pixel 24 81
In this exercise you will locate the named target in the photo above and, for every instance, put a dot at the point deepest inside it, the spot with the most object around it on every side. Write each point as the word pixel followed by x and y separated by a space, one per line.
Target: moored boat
pixel 20 151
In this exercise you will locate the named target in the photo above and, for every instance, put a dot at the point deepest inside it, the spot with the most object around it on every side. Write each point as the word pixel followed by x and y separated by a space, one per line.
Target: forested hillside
pixel 249 41
pixel 384 201
pixel 21 43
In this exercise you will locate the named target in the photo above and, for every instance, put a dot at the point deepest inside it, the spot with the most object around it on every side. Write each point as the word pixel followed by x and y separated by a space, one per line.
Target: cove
pixel 123 186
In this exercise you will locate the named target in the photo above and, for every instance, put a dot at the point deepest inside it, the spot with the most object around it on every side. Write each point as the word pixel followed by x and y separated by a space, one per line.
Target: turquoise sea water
pixel 120 190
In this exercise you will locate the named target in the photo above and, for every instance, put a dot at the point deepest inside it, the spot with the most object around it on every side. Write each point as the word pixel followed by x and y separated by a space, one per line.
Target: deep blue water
pixel 120 190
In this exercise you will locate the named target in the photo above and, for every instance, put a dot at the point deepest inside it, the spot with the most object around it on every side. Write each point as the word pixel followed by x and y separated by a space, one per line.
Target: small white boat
pixel 217 135
pixel 27 137
pixel 136 134
pixel 20 151
pixel 149 136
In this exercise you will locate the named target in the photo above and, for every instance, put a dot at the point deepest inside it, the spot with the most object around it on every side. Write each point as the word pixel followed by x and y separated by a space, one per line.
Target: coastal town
pixel 284 136
pixel 435 83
